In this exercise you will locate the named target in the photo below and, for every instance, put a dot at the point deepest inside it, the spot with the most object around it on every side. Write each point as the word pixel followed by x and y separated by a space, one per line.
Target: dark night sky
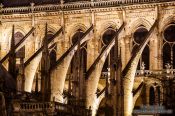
pixel 13 3
pixel 10 3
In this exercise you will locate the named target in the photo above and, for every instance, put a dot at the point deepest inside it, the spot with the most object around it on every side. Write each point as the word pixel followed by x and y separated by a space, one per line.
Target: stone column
pixel 147 94
pixel 161 95
pixel 154 53
pixel 156 95
pixel 123 50
pixel 127 50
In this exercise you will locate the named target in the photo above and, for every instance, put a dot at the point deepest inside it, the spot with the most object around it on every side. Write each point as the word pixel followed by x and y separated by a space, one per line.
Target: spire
pixel 32 9
pixel 12 58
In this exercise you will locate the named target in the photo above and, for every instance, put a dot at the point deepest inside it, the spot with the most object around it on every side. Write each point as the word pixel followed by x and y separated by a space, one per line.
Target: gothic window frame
pixel 134 43
pixel 103 44
pixel 170 44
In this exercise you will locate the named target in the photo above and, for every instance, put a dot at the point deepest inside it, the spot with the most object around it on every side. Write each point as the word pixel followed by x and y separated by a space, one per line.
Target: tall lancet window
pixel 138 37
pixel 169 45
pixel 82 53
pixel 18 36
pixel 77 68
pixel 108 64
pixel 106 39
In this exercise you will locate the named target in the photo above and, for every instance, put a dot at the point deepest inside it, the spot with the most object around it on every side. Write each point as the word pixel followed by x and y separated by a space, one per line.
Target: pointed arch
pixel 52 29
pixel 73 29
pixel 139 22
pixel 166 22
pixel 17 28
pixel 104 27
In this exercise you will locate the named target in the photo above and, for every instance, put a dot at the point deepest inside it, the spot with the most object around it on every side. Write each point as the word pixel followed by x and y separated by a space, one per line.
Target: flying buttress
pixel 129 73
pixel 62 65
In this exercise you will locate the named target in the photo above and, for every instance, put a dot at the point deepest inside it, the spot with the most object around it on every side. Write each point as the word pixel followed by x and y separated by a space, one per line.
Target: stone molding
pixel 81 7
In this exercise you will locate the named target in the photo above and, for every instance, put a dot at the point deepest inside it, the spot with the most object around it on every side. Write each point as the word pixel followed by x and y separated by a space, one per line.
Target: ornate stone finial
pixel 168 67
pixel 32 5
pixel 32 9
pixel 1 7
pixel 62 1
pixel 108 72
pixel 142 68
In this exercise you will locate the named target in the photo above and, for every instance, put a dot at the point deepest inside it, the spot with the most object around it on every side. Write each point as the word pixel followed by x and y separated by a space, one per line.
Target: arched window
pixel 169 45
pixel 82 54
pixel 106 39
pixel 53 47
pixel 151 96
pixel 138 38
pixel 21 52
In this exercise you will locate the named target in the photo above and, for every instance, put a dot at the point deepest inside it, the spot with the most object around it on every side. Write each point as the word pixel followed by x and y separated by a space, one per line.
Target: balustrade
pixel 161 73
pixel 148 73
pixel 50 108
pixel 33 107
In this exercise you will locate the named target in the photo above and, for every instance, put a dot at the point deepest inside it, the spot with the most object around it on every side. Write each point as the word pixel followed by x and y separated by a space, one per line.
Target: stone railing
pixel 148 73
pixel 77 5
pixel 49 108
pixel 161 73
pixel 62 109
pixel 33 107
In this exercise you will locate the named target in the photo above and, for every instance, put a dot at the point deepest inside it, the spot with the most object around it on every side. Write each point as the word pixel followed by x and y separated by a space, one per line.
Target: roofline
pixel 81 5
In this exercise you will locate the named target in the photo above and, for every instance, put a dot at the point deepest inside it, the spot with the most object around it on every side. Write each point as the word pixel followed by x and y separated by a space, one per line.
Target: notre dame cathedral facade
pixel 87 58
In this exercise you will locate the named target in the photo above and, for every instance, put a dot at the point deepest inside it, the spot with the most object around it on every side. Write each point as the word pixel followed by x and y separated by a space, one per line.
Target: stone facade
pixel 72 17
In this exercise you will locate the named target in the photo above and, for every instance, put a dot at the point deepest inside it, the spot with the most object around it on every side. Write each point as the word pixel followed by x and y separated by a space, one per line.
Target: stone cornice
pixel 82 7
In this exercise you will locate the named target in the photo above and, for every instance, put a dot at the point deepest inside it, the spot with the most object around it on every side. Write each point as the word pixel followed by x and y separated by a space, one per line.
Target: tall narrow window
pixel 151 96
pixel 21 52
pixel 139 36
pixel 106 39
pixel 107 69
pixel 169 46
